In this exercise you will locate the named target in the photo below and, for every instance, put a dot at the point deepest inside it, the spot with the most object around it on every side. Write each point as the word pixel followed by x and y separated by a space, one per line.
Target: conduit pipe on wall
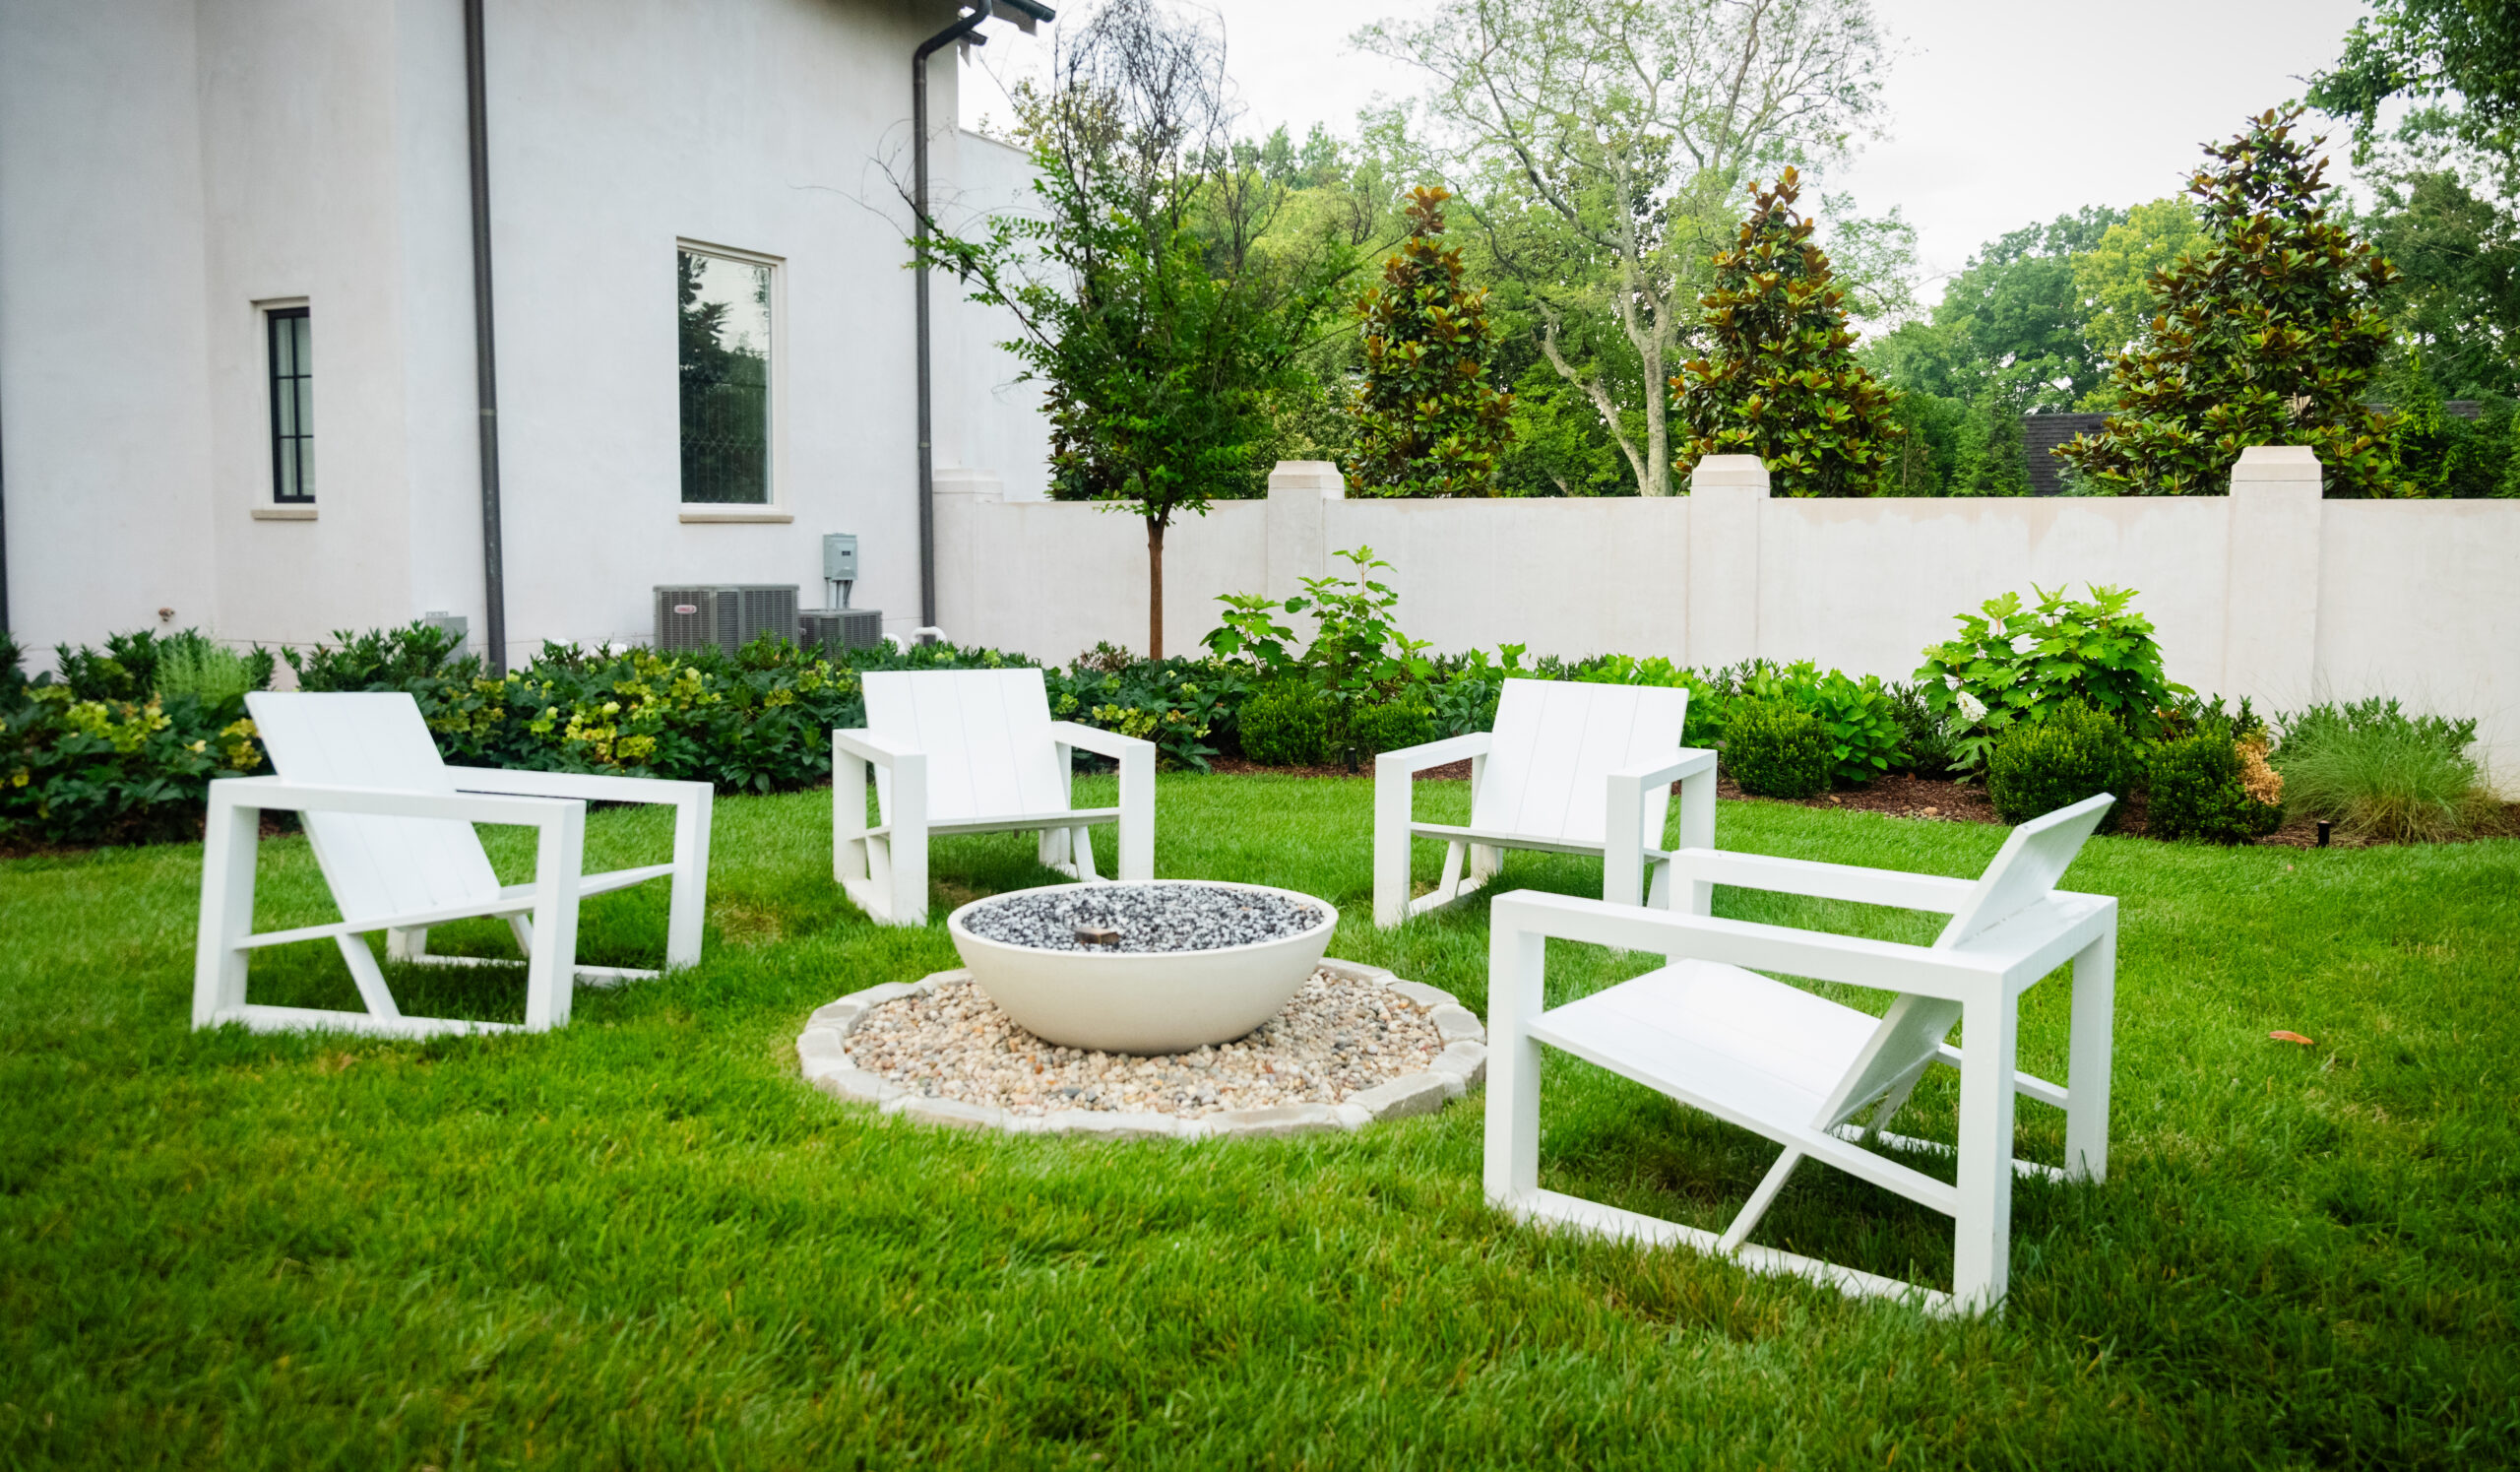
pixel 494 625
pixel 961 29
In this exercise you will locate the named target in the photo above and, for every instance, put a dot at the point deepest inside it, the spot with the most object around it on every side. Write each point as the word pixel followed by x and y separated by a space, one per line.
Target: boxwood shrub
pixel 2071 753
pixel 1776 748
pixel 2199 790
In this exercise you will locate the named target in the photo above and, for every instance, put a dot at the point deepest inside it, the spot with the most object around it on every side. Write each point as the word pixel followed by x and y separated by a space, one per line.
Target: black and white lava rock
pixel 1148 917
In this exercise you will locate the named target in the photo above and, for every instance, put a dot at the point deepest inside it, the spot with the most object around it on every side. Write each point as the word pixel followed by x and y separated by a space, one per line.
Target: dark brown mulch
pixel 1900 797
pixel 1235 766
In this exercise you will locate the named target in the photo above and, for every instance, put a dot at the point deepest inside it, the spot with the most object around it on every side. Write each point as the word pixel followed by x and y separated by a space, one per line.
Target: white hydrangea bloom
pixel 1972 709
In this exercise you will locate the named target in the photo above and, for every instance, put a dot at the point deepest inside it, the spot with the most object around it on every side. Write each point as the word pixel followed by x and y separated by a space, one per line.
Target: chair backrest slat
pixel 1554 746
pixel 986 734
pixel 375 866
pixel 2024 872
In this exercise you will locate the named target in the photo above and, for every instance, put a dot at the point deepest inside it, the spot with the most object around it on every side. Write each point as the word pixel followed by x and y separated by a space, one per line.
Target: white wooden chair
pixel 392 828
pixel 972 751
pixel 1571 768
pixel 1801 1069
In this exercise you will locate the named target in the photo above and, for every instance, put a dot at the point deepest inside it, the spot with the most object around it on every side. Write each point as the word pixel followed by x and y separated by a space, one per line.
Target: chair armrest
pixel 298 797
pixel 871 747
pixel 1688 761
pixel 1411 760
pixel 1877 965
pixel 1108 744
pixel 586 786
pixel 1830 882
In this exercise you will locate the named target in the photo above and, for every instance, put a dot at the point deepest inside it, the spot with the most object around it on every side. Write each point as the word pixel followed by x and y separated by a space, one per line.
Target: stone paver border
pixel 823 1051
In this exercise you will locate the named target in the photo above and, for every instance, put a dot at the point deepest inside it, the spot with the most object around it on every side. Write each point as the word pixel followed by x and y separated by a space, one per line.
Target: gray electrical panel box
pixel 839 557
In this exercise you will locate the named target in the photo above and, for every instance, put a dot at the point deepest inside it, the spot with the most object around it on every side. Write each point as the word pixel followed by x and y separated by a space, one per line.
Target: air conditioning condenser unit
pixel 723 616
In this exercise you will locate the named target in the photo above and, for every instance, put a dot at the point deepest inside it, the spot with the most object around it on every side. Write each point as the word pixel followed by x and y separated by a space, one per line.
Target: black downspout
pixel 494 631
pixel 980 11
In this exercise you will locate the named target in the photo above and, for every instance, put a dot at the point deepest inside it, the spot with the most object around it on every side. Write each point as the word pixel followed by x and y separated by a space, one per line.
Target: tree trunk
pixel 1153 588
pixel 1658 409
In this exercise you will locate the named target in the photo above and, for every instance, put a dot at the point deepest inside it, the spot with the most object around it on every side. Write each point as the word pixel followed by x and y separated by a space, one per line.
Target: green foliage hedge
pixel 2197 790
pixel 2071 753
pixel 1776 749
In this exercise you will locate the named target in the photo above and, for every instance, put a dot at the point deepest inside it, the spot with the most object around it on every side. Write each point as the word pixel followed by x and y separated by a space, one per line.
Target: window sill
pixel 736 514
pixel 283 513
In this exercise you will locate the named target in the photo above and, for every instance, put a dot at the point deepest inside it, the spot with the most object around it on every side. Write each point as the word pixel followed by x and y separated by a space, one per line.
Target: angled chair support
pixel 391 829
pixel 1821 1079
pixel 1570 768
pixel 972 751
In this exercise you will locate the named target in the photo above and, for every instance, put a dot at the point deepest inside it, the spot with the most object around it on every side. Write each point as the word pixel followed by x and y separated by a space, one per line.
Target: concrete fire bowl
pixel 1142 1001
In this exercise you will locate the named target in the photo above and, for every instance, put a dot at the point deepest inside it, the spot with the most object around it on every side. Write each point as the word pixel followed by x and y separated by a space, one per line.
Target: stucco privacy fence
pixel 2271 592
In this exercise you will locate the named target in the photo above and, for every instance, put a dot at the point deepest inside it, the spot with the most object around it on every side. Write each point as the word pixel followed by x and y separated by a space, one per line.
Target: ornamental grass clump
pixel 2379 773
pixel 2058 759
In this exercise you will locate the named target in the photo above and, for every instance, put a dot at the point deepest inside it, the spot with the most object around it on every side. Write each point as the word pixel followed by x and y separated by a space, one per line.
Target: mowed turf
pixel 640 1241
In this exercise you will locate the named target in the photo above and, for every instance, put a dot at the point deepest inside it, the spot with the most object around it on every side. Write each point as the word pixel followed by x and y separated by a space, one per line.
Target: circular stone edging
pixel 822 1050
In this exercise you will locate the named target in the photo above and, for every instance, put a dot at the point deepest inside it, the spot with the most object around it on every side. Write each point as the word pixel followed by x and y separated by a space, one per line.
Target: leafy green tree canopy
pixel 2270 334
pixel 1782 383
pixel 2114 279
pixel 1428 423
pixel 2458 61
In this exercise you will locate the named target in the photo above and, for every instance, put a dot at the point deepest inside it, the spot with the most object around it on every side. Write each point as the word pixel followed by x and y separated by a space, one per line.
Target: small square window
pixel 290 330
pixel 724 305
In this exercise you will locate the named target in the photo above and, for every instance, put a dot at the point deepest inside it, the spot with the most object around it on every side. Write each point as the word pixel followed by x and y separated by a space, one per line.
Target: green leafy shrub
pixel 1776 748
pixel 1408 721
pixel 1925 738
pixel 2379 772
pixel 2199 790
pixel 1181 705
pixel 1286 723
pixel 1709 696
pixel 2069 753
pixel 131 767
pixel 1860 718
pixel 2012 665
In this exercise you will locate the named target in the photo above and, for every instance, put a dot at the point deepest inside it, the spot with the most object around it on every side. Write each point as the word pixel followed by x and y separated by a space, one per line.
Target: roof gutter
pixel 494 626
pixel 1024 13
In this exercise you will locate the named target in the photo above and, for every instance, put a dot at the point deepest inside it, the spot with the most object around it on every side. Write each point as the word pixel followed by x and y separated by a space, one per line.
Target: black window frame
pixel 290 450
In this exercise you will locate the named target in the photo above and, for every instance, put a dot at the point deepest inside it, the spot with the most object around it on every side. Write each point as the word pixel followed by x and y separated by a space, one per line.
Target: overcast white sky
pixel 1998 114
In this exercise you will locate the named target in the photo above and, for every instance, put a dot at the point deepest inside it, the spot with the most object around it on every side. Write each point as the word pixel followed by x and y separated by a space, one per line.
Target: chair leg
pixel 551 956
pixel 1392 797
pixel 687 896
pixel 1982 1227
pixel 1081 843
pixel 227 906
pixel 1697 831
pixel 1516 963
pixel 1760 1200
pixel 2087 1078
pixel 1056 851
pixel 408 944
pixel 1135 836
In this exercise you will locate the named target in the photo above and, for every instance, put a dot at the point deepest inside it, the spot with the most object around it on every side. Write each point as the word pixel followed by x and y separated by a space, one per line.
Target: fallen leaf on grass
pixel 2281 1035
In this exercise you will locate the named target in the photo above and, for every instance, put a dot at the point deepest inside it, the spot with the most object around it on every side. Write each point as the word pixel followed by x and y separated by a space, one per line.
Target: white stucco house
pixel 240 342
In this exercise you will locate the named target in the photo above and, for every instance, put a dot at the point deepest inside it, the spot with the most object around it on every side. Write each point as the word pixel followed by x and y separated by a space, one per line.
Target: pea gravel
pixel 1340 1036
pixel 1148 917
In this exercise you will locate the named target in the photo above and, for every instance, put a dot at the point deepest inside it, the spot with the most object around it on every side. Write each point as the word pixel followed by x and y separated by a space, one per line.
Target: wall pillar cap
pixel 2278 463
pixel 1729 469
pixel 967 481
pixel 1320 477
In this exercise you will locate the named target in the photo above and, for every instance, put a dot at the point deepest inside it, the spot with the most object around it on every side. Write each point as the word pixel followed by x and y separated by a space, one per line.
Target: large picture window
pixel 290 334
pixel 724 305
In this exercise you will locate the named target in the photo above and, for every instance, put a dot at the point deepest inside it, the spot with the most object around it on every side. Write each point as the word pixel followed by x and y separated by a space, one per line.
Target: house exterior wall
pixel 2270 591
pixel 165 165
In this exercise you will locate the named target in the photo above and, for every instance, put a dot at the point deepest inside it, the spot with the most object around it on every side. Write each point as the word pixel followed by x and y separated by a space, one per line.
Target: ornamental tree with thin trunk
pixel 2268 333
pixel 1427 423
pixel 1782 383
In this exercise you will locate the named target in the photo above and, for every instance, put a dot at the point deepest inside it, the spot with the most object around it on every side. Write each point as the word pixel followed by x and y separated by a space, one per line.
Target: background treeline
pixel 1586 222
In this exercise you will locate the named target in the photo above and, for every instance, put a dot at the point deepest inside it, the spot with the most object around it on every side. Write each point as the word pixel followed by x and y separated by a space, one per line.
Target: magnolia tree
pixel 1427 421
pixel 1609 136
pixel 1782 383
pixel 2267 332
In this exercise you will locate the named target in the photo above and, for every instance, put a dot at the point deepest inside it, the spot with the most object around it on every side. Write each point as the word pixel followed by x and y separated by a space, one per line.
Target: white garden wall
pixel 2270 591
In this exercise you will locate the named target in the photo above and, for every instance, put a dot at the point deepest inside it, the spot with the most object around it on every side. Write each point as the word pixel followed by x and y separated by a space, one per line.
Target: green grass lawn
pixel 641 1242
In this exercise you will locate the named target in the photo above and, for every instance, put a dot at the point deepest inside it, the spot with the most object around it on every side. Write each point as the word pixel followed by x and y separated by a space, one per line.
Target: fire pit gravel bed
pixel 1147 917
pixel 1356 1045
